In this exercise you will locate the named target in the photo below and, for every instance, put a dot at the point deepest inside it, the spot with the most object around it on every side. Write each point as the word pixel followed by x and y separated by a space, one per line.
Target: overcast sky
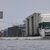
pixel 15 11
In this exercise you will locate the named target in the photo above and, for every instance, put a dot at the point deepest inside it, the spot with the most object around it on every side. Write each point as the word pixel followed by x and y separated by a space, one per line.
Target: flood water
pixel 24 44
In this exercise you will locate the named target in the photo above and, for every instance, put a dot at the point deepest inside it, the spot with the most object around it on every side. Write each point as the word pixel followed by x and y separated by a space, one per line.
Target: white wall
pixel 45 17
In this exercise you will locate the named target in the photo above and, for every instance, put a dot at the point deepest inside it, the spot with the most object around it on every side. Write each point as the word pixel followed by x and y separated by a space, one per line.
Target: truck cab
pixel 44 29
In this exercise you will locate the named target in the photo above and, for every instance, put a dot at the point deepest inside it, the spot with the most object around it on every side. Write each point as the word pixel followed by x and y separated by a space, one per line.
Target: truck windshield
pixel 44 25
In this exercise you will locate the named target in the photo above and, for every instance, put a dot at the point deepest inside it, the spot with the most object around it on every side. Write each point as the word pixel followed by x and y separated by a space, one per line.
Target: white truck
pixel 44 25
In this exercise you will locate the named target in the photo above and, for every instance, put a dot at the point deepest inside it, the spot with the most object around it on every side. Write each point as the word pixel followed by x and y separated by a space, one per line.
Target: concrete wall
pixel 30 26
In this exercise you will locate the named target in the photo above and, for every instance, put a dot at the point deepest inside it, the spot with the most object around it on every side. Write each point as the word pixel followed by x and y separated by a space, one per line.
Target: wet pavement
pixel 24 44
pixel 46 38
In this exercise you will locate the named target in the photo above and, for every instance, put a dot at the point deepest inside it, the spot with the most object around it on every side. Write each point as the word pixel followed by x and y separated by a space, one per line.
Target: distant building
pixel 6 32
pixel 23 29
pixel 1 14
pixel 13 31
pixel 32 23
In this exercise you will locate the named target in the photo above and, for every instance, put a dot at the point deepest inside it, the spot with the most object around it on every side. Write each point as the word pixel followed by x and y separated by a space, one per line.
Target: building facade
pixel 32 23
pixel 23 30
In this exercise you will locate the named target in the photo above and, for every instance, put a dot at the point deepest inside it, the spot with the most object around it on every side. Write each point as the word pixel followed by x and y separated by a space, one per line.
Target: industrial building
pixel 13 31
pixel 32 24
pixel 23 29
pixel 16 31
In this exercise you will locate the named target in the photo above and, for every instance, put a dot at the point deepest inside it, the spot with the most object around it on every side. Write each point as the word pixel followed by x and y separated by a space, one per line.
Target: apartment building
pixel 32 23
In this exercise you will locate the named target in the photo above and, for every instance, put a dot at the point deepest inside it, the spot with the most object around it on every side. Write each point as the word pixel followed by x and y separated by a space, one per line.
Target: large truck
pixel 44 25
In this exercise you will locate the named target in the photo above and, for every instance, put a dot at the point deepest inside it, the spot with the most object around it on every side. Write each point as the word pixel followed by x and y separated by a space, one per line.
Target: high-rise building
pixel 32 23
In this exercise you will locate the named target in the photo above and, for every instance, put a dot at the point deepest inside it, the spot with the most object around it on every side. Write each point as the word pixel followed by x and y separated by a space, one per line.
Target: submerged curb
pixel 20 38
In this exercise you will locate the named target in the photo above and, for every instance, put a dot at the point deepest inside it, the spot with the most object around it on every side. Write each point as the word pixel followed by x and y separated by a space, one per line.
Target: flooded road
pixel 24 44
